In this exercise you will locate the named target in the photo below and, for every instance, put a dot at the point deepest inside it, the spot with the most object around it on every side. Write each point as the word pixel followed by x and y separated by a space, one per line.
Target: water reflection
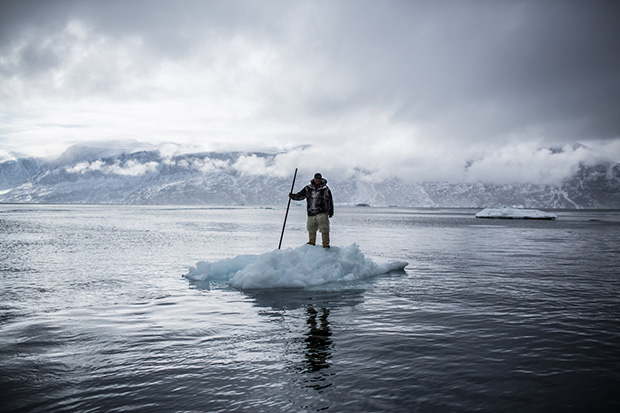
pixel 318 341
pixel 318 350
pixel 293 299
pixel 313 351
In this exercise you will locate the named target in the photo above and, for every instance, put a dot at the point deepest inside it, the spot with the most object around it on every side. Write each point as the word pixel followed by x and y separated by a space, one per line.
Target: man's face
pixel 317 181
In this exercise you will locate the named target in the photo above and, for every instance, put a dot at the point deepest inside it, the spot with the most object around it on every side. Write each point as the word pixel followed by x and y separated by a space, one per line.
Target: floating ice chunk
pixel 514 213
pixel 220 270
pixel 305 266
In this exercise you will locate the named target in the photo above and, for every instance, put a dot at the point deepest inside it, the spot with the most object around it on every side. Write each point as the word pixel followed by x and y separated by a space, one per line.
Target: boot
pixel 325 236
pixel 312 238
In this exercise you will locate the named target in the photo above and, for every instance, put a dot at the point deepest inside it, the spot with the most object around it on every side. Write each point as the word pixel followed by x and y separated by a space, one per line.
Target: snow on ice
pixel 305 266
pixel 514 213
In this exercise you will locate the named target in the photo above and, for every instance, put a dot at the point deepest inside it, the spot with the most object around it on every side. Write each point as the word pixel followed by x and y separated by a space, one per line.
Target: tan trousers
pixel 318 222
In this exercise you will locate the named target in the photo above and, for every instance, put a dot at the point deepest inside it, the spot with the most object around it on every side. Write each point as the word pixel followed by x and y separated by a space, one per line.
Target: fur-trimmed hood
pixel 322 185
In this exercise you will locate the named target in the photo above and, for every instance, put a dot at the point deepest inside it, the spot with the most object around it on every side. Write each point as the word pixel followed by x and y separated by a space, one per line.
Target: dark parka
pixel 318 198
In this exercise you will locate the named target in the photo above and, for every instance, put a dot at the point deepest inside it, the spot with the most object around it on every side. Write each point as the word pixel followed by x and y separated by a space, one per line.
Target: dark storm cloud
pixel 505 65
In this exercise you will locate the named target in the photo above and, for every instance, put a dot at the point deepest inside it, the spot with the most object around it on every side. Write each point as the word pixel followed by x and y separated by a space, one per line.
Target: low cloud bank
pixel 129 168
pixel 516 164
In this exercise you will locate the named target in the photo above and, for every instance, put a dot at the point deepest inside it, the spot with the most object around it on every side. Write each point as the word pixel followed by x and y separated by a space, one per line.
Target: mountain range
pixel 98 176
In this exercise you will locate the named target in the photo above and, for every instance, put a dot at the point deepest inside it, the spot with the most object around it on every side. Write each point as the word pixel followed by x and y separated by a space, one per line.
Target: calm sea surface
pixel 490 315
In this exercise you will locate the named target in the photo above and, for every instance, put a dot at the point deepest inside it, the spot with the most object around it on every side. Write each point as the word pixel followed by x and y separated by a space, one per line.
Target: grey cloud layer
pixel 425 76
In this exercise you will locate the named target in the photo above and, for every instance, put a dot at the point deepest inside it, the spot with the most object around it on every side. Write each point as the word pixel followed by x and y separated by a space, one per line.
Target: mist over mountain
pixel 86 174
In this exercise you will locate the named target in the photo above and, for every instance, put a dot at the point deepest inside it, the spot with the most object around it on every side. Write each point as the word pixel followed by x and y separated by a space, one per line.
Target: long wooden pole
pixel 287 207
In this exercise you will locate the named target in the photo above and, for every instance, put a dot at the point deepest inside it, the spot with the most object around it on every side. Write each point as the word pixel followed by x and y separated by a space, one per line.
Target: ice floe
pixel 514 213
pixel 304 266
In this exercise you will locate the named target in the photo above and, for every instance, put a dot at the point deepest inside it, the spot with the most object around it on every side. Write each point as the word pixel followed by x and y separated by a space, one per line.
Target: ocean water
pixel 96 314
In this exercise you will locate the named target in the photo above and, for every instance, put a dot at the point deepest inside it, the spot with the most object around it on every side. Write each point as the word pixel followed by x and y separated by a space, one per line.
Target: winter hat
pixel 318 175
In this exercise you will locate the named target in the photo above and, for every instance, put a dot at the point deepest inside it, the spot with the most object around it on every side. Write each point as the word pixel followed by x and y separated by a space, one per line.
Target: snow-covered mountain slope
pixel 91 175
pixel 16 172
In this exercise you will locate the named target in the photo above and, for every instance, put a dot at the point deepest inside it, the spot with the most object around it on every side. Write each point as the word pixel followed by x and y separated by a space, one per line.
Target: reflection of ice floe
pixel 332 296
pixel 305 266
pixel 514 213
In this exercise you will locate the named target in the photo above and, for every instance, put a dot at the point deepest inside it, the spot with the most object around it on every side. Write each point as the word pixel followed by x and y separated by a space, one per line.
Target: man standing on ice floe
pixel 320 208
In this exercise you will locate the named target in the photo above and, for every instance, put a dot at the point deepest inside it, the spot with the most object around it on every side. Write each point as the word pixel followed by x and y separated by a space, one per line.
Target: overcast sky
pixel 423 90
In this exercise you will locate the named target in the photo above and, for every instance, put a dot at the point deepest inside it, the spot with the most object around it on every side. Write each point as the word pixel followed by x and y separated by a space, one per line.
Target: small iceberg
pixel 304 266
pixel 514 213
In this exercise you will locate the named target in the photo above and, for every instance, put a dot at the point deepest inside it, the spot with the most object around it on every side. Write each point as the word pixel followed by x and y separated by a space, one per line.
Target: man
pixel 320 207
